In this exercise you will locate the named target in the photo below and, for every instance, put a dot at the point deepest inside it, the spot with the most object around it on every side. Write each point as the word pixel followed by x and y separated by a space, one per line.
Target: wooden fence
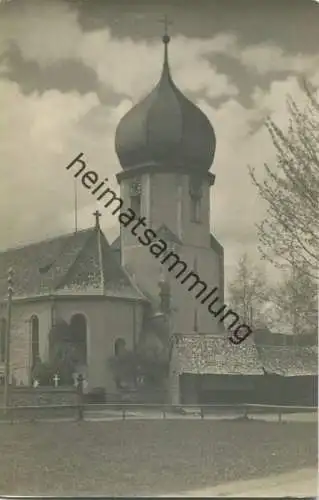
pixel 125 411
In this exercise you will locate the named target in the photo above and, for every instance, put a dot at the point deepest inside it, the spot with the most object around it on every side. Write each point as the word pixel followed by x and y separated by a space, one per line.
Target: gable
pixel 162 232
pixel 116 245
pixel 116 281
pixel 81 262
pixel 85 272
pixel 215 245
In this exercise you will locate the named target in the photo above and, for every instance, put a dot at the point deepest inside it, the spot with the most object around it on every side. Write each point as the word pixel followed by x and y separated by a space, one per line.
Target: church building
pixel 78 295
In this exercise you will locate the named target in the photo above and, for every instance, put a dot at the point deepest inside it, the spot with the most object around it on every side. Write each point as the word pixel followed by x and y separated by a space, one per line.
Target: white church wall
pixel 20 351
pixel 148 271
pixel 166 200
pixel 163 201
pixel 107 320
pixel 184 302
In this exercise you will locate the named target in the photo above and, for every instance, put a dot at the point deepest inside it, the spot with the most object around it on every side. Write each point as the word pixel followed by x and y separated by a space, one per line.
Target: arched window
pixel 35 350
pixel 3 328
pixel 195 191
pixel 119 347
pixel 78 334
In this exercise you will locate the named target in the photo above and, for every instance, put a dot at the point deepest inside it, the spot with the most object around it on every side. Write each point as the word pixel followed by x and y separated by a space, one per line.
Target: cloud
pixel 40 134
pixel 267 58
pixel 36 141
pixel 45 32
pixel 59 37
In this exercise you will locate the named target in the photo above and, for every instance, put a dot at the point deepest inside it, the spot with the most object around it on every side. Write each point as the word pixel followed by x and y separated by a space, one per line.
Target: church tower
pixel 166 146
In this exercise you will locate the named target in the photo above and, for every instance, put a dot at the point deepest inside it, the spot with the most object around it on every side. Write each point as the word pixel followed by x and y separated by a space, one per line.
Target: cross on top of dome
pixel 165 129
pixel 166 38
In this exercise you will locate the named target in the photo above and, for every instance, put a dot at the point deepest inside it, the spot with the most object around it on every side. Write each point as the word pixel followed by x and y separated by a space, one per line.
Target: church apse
pixel 68 347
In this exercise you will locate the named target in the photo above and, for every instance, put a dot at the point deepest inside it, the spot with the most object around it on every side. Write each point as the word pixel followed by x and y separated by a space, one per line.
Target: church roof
pixel 215 245
pixel 116 245
pixel 165 129
pixel 289 361
pixel 167 235
pixel 78 263
pixel 212 355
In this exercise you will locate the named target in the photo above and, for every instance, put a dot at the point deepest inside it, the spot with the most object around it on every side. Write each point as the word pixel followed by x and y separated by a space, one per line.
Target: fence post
pixel 202 412
pixel 80 396
pixel 279 416
pixel 164 412
pixel 123 413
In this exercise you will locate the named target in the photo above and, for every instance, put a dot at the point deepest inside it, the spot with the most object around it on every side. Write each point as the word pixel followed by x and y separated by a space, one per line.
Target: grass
pixel 146 457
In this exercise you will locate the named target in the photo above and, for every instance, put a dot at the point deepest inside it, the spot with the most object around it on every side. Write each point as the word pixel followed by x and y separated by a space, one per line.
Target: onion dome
pixel 165 129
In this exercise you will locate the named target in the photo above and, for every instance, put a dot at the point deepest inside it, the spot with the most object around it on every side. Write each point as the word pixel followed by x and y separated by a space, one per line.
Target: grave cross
pixel 36 383
pixel 56 379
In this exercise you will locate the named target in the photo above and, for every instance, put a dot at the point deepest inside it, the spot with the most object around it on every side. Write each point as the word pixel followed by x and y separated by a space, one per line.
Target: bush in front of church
pixel 65 369
pixel 43 373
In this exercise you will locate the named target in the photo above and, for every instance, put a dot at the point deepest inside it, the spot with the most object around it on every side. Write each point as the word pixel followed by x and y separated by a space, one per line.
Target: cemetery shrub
pixel 43 373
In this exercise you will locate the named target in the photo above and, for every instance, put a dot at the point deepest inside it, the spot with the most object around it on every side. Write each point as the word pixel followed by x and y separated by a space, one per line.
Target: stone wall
pixel 41 396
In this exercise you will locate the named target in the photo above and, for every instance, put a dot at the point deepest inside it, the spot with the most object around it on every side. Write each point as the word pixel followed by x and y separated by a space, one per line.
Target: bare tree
pixel 248 292
pixel 289 232
pixel 296 303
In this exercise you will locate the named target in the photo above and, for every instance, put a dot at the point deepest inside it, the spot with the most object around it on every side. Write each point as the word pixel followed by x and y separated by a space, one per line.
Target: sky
pixel 69 70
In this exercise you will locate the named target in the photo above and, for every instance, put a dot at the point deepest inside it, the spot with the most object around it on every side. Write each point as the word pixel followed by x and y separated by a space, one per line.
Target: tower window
pixel 135 197
pixel 195 191
pixel 136 205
